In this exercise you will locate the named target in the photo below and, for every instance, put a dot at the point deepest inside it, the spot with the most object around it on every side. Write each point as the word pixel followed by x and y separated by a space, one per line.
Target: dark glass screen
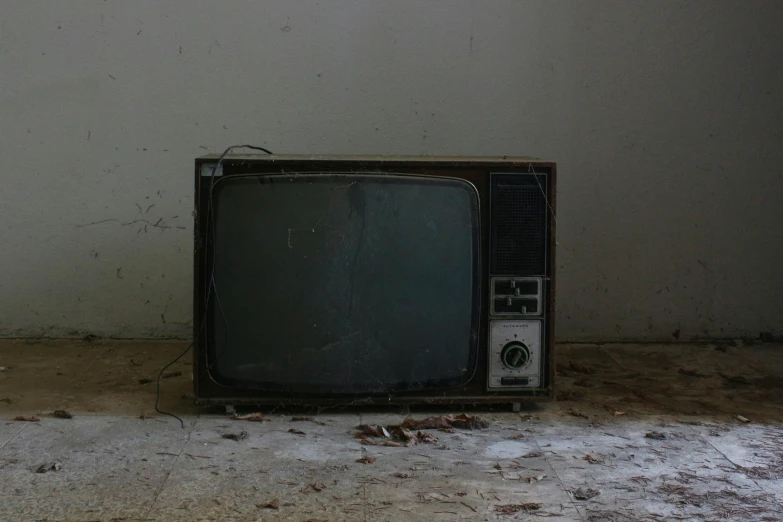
pixel 343 283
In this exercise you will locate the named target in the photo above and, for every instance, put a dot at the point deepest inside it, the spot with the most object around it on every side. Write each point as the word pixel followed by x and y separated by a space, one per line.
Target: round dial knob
pixel 515 355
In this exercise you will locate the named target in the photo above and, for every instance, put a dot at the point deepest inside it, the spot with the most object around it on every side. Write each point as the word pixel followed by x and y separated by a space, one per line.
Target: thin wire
pixel 211 219
pixel 160 375
pixel 535 176
pixel 203 326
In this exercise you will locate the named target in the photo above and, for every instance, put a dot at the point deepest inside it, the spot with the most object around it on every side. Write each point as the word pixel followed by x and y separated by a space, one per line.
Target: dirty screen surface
pixel 344 283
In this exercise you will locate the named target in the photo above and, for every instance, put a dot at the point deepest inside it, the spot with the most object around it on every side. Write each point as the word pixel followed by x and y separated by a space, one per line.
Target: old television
pixel 369 280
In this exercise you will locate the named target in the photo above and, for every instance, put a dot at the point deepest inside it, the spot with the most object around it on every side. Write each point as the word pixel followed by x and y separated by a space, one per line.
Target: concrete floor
pixel 114 465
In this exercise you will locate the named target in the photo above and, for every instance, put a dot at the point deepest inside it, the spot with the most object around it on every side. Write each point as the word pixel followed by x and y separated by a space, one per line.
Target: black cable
pixel 211 287
pixel 157 391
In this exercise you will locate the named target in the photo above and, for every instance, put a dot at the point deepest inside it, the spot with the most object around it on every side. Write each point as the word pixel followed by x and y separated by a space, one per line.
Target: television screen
pixel 343 283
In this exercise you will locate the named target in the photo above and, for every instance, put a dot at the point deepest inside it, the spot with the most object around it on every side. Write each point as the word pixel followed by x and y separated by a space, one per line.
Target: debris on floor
pixel 27 418
pixel 404 432
pixel 169 375
pixel 510 509
pixel 579 414
pixel 656 435
pixel 709 466
pixel 374 431
pixel 366 460
pixel 397 433
pixel 242 435
pixel 585 493
pixel 531 455
pixel 253 417
pixel 51 466
pixel 274 504
pixel 62 414
pixel 593 459
pixel 307 419
pixel 461 421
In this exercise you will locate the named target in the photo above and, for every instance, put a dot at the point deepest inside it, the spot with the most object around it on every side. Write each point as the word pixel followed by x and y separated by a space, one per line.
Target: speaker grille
pixel 519 224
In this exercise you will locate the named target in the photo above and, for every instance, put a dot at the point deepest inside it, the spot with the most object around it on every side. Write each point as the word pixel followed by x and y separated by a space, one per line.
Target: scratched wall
pixel 665 117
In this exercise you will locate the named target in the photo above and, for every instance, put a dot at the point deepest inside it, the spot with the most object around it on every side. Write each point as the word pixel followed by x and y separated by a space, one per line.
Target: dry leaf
pixel 517 437
pixel 169 375
pixel 403 431
pixel 657 435
pixel 402 475
pixel 585 493
pixel 428 423
pixel 367 442
pixel 510 509
pixel 460 493
pixel 462 421
pixel 619 413
pixel 31 418
pixel 318 486
pixel 62 414
pixel 374 431
pixel 296 432
pixel 253 417
pixel 531 455
pixel 743 419
pixel 392 444
pixel 235 436
pixel 403 434
pixel 43 468
pixel 427 438
pixel 269 505
pixel 366 460
pixel 593 460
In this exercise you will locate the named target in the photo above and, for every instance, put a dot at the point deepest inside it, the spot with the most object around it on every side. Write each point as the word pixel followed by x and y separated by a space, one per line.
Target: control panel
pixel 515 353
pixel 516 296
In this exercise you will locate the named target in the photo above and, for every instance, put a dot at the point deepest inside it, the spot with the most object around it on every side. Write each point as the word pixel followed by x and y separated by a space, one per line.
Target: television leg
pixel 516 407
pixel 230 410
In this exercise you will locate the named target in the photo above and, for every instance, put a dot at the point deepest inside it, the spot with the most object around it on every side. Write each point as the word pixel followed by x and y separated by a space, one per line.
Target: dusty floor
pixel 613 401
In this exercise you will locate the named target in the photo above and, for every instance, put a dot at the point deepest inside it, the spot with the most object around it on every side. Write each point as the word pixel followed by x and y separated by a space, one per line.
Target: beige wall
pixel 665 118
